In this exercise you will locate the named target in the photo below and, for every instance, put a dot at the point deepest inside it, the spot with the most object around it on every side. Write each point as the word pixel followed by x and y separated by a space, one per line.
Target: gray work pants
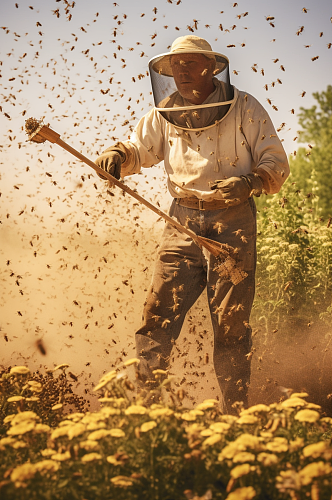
pixel 182 271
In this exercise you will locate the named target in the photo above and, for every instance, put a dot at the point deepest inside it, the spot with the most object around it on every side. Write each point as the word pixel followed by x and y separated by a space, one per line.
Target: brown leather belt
pixel 197 204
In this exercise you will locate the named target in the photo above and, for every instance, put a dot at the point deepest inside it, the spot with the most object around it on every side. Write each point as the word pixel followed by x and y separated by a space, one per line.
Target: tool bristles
pixel 32 127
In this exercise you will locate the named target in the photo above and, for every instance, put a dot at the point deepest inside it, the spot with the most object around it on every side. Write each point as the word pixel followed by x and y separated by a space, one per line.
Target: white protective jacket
pixel 243 141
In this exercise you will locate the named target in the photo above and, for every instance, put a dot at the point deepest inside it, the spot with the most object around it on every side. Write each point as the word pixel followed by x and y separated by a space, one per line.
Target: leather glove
pixel 111 161
pixel 236 190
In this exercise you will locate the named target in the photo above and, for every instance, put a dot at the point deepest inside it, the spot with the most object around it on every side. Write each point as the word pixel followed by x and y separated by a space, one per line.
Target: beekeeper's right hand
pixel 111 161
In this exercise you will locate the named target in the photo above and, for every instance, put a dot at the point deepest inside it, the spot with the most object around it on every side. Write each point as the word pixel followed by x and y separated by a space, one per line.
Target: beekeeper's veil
pixel 177 108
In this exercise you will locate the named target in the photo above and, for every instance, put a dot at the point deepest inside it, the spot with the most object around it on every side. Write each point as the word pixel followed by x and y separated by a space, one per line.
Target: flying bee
pixel 40 346
pixel 73 376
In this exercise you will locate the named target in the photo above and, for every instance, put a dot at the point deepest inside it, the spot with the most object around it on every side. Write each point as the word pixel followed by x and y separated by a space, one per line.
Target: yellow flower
pixel 299 395
pixel 243 456
pixel 48 452
pixel 107 411
pixel 22 417
pixel 326 420
pixel 245 441
pixel 159 372
pixel 123 481
pixel 19 444
pixel 247 419
pixel 135 410
pixel 208 403
pixel 47 466
pixel 210 441
pixel 60 367
pixel 35 386
pixel 9 418
pixel 296 444
pixel 160 412
pixel 99 434
pixel 278 445
pixel 57 407
pixel 245 493
pixel 191 415
pixel 15 399
pixel 242 470
pixel 89 444
pixel 315 469
pixel 133 361
pixel 312 406
pixel 267 459
pixel 207 432
pixel 255 409
pixel 94 426
pixel 112 460
pixel 147 426
pixel 20 429
pixel 229 451
pixel 22 473
pixel 105 380
pixel 40 428
pixel 309 416
pixel 90 457
pixel 19 370
pixel 293 403
pixel 61 431
pixel 118 433
pixel 7 441
pixel 220 427
pixel 75 416
pixel 61 457
pixel 314 450
pixel 75 430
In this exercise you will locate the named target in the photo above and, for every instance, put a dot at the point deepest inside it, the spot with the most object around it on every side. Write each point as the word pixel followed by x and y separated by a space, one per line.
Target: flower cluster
pixel 131 450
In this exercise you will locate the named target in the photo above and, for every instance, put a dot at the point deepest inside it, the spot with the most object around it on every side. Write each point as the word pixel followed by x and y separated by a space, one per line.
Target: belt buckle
pixel 201 205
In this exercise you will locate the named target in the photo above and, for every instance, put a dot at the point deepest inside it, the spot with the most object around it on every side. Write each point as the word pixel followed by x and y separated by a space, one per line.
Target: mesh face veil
pixel 190 84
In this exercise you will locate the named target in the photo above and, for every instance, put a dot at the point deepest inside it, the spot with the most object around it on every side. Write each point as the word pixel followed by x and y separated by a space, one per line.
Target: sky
pixel 83 67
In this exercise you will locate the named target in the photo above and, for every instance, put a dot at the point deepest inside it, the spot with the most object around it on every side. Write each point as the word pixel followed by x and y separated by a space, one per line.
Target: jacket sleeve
pixel 269 157
pixel 145 147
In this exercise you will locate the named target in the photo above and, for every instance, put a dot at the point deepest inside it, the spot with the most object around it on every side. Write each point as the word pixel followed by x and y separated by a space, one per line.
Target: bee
pixel 73 376
pixel 5 337
pixel 180 394
pixel 40 346
pixel 314 58
pixel 206 358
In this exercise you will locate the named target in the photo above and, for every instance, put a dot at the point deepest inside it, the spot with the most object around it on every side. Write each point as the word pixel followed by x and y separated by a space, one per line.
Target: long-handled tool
pixel 227 269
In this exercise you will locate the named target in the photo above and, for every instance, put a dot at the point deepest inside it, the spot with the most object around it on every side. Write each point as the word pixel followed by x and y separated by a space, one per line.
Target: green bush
pixel 294 269
pixel 129 450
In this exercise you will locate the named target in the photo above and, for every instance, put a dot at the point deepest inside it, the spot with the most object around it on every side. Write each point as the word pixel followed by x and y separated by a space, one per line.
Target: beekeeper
pixel 219 148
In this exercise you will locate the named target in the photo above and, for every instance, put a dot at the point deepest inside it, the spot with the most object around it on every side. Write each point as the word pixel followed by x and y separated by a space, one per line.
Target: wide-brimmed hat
pixel 188 44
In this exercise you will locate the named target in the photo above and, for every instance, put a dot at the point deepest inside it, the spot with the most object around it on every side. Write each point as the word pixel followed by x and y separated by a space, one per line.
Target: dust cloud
pixel 75 269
